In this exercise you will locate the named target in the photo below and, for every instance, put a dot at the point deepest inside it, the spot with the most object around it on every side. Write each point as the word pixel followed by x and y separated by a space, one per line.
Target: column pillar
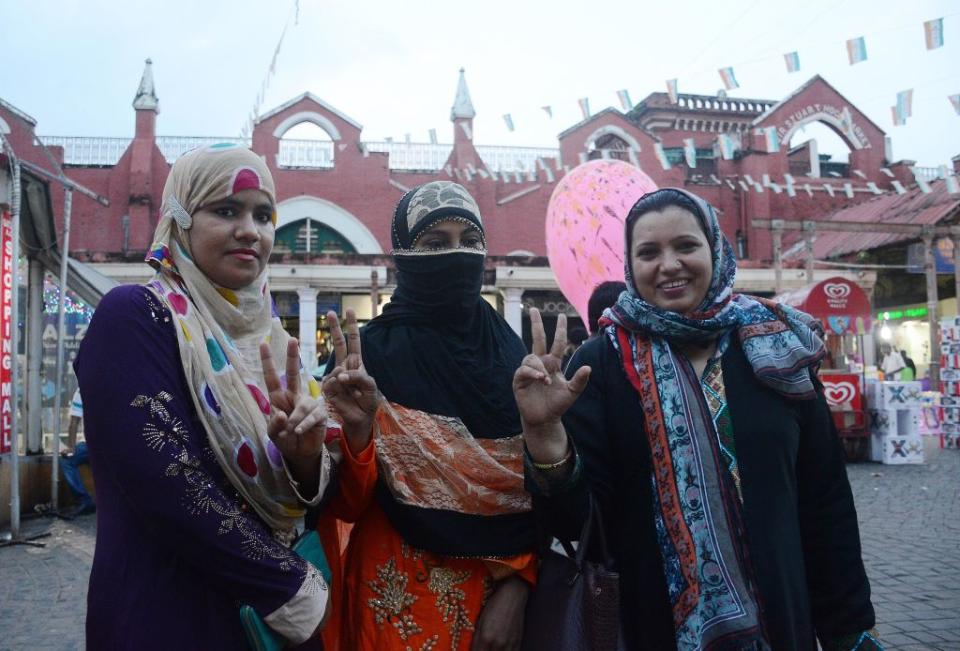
pixel 308 326
pixel 933 319
pixel 34 350
pixel 513 308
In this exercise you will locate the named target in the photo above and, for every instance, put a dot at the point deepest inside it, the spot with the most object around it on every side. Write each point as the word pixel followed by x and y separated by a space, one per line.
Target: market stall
pixel 843 309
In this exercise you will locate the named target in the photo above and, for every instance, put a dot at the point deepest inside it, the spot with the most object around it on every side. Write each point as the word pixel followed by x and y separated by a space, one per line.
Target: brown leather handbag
pixel 576 604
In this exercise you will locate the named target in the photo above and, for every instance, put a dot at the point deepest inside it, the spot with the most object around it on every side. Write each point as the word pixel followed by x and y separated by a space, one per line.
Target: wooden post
pixel 809 231
pixel 374 293
pixel 933 319
pixel 777 226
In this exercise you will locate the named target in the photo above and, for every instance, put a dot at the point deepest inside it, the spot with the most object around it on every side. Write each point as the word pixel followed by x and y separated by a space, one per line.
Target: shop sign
pixel 6 332
pixel 842 392
pixel 909 313
pixel 942 256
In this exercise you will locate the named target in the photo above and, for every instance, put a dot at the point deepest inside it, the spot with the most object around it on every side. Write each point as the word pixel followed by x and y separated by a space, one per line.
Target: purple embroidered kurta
pixel 177 552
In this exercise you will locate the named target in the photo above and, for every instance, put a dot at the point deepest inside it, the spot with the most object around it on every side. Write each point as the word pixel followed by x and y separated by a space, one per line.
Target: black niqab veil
pixel 439 347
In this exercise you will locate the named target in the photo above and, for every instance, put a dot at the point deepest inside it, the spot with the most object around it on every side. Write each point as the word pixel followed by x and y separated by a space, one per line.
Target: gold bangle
pixel 557 464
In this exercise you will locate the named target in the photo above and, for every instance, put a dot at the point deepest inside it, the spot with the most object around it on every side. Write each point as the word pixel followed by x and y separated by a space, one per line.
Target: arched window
pixel 819 140
pixel 306 145
pixel 310 236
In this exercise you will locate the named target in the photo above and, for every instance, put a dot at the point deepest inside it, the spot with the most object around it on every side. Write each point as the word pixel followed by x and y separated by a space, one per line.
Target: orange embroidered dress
pixel 390 595
pixel 437 500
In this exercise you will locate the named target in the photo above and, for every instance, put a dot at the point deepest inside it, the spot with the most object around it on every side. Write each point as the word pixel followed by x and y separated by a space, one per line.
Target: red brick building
pixel 337 193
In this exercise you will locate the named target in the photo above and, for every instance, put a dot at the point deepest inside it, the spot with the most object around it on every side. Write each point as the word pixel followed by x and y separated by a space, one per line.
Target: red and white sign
pixel 7 324
pixel 842 391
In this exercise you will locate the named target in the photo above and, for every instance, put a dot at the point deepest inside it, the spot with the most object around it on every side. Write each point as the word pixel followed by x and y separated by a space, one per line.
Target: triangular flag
pixel 860 174
pixel 792 60
pixel 905 103
pixel 508 120
pixel 898 187
pixel 808 189
pixel 848 190
pixel 624 98
pixel 728 78
pixel 828 188
pixel 661 155
pixel 672 90
pixel 433 136
pixel 898 119
pixel 584 107
pixel 744 186
pixel 933 33
pixel 955 100
pixel 341 146
pixel 873 188
pixel 921 182
pixel 690 152
pixel 886 171
pixel 548 110
pixel 856 50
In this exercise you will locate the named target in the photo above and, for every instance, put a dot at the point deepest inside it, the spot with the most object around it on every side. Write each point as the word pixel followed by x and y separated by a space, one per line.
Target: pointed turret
pixel 464 155
pixel 146 98
pixel 462 106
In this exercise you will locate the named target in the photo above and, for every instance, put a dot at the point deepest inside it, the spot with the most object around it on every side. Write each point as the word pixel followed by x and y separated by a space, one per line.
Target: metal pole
pixel 933 320
pixel 61 331
pixel 374 293
pixel 15 347
pixel 33 404
pixel 777 226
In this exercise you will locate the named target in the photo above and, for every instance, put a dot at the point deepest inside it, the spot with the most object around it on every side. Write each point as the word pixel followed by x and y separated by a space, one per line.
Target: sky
pixel 392 66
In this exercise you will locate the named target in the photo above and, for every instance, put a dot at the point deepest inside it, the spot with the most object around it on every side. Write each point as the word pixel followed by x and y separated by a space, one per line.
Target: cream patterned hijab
pixel 219 332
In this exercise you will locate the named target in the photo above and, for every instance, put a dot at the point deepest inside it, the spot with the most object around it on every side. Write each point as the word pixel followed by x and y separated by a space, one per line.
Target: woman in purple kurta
pixel 198 479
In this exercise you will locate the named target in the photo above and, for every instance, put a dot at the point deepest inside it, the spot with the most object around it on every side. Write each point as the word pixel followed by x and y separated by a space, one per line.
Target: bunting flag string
pixel 728 78
pixel 624 98
pixel 933 33
pixel 247 129
pixel 792 60
pixel 672 90
pixel 856 50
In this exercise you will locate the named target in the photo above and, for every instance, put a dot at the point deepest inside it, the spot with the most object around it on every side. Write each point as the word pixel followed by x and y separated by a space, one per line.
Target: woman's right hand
pixel 348 388
pixel 544 394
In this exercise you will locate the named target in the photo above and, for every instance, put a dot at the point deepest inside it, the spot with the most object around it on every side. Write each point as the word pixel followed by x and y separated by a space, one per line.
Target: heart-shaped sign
pixel 838 393
pixel 836 290
pixel 585 221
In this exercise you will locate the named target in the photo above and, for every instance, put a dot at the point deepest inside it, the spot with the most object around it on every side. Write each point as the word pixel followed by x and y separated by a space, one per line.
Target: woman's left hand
pixel 500 625
pixel 298 422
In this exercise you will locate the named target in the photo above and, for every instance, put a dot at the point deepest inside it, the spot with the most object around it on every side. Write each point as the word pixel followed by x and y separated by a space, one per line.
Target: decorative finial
pixel 146 98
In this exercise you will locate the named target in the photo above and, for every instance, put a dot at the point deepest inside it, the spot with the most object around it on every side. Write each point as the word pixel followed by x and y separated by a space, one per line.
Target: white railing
pixel 173 147
pixel 311 154
pixel 929 173
pixel 88 151
pixel 316 154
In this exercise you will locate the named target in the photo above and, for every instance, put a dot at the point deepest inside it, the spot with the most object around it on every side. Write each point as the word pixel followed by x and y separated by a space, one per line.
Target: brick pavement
pixel 909 522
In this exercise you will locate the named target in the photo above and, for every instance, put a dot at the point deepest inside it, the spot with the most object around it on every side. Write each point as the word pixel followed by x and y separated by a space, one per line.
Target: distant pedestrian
pixel 74 456
pixel 604 295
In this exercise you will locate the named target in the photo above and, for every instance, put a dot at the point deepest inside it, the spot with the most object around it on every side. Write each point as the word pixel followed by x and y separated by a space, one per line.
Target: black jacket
pixel 801 524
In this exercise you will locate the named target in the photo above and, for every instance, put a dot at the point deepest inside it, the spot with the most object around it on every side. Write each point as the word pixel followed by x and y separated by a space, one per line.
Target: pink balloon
pixel 585 225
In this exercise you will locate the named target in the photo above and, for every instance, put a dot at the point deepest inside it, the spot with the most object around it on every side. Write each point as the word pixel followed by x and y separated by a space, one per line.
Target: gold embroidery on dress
pixel 429 645
pixel 393 599
pixel 450 598
pixel 163 431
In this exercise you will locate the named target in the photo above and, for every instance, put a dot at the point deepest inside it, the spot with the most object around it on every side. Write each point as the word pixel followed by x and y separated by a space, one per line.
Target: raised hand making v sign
pixel 298 421
pixel 351 392
pixel 543 394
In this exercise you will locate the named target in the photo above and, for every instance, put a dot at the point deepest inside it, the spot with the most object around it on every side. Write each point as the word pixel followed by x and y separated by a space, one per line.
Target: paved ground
pixel 909 521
